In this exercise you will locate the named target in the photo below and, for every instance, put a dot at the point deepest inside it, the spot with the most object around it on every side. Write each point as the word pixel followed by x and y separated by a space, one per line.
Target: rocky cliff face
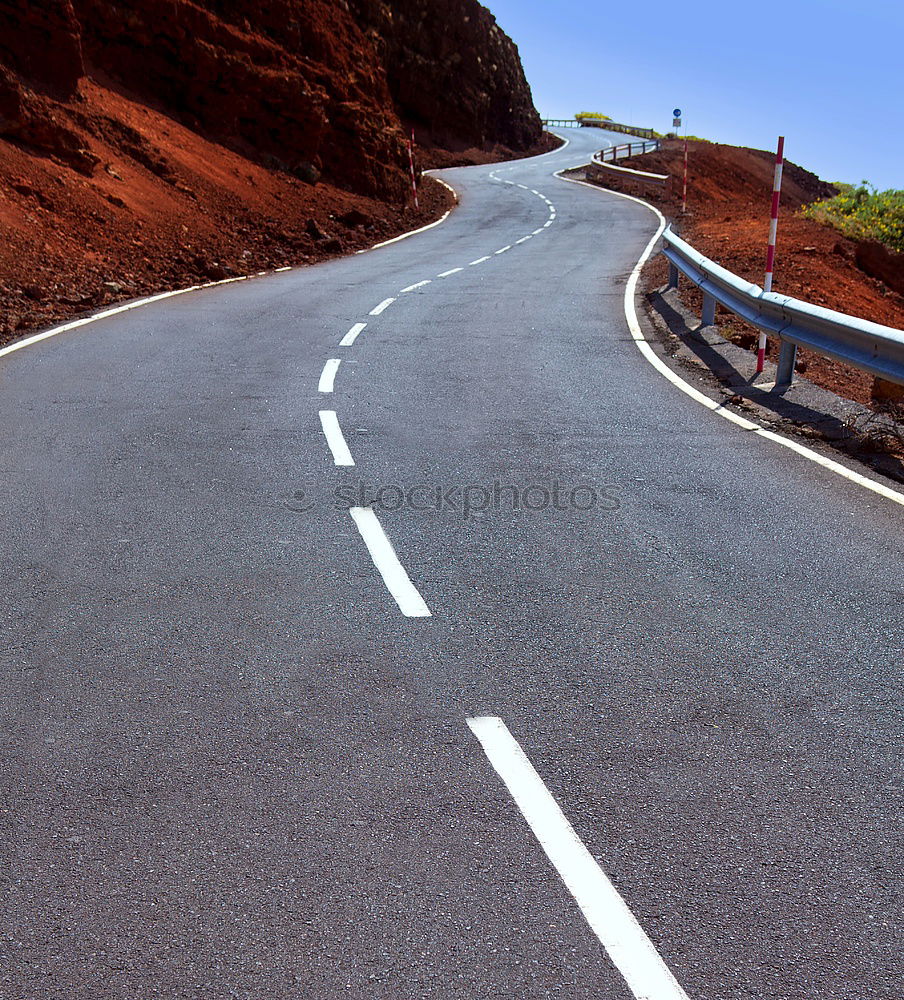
pixel 292 81
pixel 41 42
pixel 309 86
pixel 453 73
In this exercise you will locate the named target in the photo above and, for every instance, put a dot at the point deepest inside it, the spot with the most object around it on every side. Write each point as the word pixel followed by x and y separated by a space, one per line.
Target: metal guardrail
pixel 644 133
pixel 626 149
pixel 612 153
pixel 869 346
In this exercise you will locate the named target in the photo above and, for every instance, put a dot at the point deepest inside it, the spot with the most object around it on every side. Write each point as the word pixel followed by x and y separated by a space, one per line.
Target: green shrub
pixel 863 213
pixel 594 115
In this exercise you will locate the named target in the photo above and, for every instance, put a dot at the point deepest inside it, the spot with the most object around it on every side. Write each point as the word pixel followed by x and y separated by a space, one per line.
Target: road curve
pixel 276 551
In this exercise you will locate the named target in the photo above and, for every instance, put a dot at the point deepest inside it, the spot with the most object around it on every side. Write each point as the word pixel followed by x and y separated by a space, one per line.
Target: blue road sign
pixel 676 113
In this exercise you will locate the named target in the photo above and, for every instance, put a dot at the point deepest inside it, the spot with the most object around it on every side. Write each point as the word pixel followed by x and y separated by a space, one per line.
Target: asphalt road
pixel 234 765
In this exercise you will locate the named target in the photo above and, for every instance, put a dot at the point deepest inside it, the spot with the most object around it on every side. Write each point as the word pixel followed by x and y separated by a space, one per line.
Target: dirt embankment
pixel 171 141
pixel 729 191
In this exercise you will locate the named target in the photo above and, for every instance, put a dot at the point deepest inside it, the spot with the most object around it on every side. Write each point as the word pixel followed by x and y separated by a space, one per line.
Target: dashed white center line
pixel 537 193
pixel 523 186
pixel 631 951
pixel 524 239
pixel 479 260
pixel 420 284
pixel 537 232
pixel 546 225
pixel 385 304
pixel 333 433
pixel 397 581
pixel 509 247
pixel 328 375
pixel 446 274
pixel 352 334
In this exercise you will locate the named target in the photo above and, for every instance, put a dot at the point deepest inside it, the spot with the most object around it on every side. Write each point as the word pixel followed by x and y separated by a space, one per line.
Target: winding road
pixel 392 628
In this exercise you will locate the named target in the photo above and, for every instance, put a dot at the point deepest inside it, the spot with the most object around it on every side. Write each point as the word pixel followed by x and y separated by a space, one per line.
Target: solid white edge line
pixel 503 250
pixel 446 274
pixel 643 346
pixel 479 260
pixel 625 941
pixel 448 187
pixel 384 557
pixel 334 438
pixel 352 335
pixel 112 311
pixel 328 375
pixel 419 284
pixel 385 304
pixel 423 229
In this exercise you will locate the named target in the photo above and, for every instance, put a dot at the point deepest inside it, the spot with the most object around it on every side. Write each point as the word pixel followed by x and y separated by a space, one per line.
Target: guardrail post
pixel 673 275
pixel 787 359
pixel 708 317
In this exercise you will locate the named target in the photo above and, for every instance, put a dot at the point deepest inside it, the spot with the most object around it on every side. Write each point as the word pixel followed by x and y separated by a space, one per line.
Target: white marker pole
pixel 684 187
pixel 773 232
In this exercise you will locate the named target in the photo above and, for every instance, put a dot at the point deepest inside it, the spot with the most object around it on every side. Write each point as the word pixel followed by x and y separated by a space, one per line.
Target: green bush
pixel 594 115
pixel 863 213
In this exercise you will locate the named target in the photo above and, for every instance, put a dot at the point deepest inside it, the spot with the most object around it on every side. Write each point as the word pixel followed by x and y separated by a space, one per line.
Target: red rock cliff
pixel 310 86
pixel 452 71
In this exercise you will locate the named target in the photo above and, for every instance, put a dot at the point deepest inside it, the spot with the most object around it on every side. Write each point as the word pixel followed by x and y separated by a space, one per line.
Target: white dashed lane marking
pixel 445 274
pixel 334 438
pixel 479 260
pixel 385 304
pixel 384 557
pixel 352 335
pixel 419 284
pixel 509 247
pixel 328 375
pixel 631 951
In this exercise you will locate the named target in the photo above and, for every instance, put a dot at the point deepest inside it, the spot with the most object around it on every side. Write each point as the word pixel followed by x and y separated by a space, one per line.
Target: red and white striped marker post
pixel 773 232
pixel 411 164
pixel 684 188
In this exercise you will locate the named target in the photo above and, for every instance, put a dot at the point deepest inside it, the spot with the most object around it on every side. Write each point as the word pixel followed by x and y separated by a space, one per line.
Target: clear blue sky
pixel 827 74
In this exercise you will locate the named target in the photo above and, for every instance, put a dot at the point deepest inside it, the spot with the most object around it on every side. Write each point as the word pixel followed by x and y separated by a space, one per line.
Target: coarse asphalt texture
pixel 233 766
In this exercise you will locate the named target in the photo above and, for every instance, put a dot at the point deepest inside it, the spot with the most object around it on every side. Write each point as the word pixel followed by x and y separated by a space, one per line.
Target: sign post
pixel 676 123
